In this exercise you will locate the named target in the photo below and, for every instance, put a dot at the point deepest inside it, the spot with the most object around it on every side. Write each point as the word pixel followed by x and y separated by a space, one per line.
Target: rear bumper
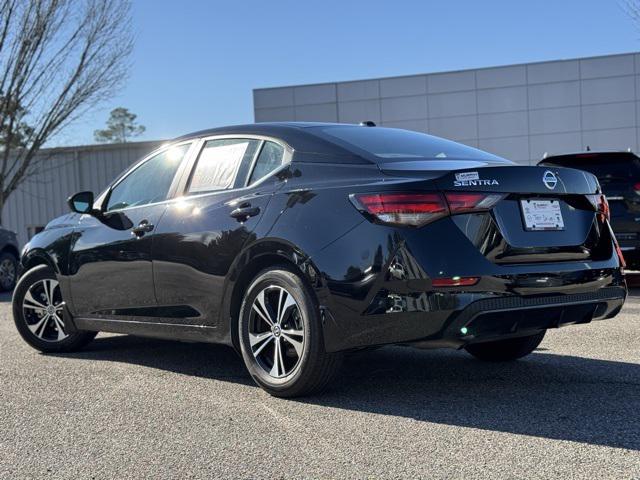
pixel 377 289
pixel 495 318
pixel 490 317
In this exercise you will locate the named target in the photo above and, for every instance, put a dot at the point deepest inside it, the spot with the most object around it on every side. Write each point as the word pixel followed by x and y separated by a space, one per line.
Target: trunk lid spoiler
pixel 483 177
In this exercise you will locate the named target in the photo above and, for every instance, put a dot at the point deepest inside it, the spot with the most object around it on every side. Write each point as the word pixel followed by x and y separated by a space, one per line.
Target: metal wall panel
pixel 62 172
pixel 521 111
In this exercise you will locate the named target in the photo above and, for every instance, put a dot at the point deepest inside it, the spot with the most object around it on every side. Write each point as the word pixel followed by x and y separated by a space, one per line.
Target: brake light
pixel 601 205
pixel 636 188
pixel 418 209
pixel 461 202
pixel 621 259
pixel 414 209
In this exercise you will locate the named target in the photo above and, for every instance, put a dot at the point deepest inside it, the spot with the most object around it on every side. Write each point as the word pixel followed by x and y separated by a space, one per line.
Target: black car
pixel 9 255
pixel 619 177
pixel 295 243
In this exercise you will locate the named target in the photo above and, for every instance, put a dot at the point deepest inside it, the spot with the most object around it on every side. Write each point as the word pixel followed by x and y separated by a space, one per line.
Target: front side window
pixel 218 163
pixel 150 182
pixel 271 157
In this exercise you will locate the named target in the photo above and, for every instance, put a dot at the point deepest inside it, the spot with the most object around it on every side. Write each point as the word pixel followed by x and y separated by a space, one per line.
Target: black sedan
pixel 297 242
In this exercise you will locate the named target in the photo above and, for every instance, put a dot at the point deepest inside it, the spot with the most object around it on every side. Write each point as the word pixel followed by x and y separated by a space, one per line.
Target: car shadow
pixel 545 395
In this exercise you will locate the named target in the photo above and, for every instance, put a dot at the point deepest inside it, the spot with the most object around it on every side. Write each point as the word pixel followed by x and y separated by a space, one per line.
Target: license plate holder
pixel 541 214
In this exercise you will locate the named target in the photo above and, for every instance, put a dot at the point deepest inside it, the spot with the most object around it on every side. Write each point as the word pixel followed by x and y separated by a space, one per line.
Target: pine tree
pixel 121 126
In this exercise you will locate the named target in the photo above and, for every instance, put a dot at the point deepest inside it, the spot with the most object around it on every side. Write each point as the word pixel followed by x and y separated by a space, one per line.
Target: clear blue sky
pixel 196 62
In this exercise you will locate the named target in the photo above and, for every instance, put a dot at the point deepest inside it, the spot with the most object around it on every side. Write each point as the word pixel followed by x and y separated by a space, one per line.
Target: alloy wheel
pixel 42 308
pixel 276 331
pixel 7 273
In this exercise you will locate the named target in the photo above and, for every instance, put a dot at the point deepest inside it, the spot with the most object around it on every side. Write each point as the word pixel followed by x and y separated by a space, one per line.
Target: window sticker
pixel 216 167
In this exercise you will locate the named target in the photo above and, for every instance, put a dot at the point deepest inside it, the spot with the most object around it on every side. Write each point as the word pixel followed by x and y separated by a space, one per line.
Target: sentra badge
pixel 472 179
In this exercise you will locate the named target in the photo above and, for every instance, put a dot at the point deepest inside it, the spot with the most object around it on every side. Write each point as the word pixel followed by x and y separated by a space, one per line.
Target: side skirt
pixel 168 331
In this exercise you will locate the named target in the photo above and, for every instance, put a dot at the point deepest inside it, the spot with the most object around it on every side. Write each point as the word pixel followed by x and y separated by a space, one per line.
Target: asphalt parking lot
pixel 131 408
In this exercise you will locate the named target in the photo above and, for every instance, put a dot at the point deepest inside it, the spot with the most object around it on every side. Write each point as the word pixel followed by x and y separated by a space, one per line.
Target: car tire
pixel 281 338
pixel 8 271
pixel 506 350
pixel 36 296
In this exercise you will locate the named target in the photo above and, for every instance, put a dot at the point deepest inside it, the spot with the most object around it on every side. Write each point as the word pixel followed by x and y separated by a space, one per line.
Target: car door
pixel 110 257
pixel 230 185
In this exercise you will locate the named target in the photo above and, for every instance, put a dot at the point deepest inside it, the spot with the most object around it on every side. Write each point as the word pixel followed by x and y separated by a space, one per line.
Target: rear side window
pixel 271 157
pixel 388 145
pixel 148 183
pixel 219 162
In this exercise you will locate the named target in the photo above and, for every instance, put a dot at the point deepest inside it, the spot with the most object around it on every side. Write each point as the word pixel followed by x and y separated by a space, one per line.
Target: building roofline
pixel 102 146
pixel 448 71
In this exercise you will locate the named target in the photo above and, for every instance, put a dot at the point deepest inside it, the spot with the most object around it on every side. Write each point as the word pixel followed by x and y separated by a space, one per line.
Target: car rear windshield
pixel 604 166
pixel 387 145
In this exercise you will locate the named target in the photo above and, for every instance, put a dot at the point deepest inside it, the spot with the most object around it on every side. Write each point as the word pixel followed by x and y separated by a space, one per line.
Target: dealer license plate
pixel 541 214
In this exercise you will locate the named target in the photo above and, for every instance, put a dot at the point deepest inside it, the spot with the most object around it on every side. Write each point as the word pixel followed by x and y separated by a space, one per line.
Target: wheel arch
pixel 12 249
pixel 36 257
pixel 256 258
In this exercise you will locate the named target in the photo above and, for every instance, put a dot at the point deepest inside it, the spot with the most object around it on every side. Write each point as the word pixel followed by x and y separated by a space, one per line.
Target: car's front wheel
pixel 281 338
pixel 506 350
pixel 38 311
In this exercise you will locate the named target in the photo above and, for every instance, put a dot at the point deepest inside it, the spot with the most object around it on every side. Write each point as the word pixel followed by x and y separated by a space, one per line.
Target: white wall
pixel 65 171
pixel 519 111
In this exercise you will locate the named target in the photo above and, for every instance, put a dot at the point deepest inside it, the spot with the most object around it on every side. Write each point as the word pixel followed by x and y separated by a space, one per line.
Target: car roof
pixel 293 133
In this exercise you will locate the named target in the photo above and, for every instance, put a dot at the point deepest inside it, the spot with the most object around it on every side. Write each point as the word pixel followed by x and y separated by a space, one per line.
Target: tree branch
pixel 58 58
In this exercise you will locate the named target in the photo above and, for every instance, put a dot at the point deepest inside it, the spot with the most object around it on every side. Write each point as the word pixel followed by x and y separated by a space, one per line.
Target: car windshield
pixel 390 144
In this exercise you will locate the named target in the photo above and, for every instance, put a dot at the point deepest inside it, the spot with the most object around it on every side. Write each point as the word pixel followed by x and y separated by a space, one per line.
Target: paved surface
pixel 132 408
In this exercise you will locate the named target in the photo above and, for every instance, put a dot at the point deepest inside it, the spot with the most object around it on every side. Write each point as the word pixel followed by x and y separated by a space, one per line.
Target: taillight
pixel 621 259
pixel 461 202
pixel 418 209
pixel 414 209
pixel 601 205
pixel 636 188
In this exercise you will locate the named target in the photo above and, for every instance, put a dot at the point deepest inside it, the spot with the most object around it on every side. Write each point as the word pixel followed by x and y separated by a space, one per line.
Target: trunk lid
pixel 503 234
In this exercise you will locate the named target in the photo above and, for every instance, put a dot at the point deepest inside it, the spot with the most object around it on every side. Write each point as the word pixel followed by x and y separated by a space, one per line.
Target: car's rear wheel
pixel 506 350
pixel 8 271
pixel 281 338
pixel 38 312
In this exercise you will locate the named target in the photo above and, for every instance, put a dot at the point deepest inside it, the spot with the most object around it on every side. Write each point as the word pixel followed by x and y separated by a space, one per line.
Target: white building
pixel 516 111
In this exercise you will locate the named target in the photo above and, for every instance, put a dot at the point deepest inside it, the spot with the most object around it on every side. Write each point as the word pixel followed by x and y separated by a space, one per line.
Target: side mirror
pixel 81 202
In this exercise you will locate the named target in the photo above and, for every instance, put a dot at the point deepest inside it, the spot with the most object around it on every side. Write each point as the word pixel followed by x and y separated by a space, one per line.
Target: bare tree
pixel 632 9
pixel 58 58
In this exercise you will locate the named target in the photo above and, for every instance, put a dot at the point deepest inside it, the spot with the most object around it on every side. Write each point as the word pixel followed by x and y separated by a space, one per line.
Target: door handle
pixel 143 227
pixel 244 211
